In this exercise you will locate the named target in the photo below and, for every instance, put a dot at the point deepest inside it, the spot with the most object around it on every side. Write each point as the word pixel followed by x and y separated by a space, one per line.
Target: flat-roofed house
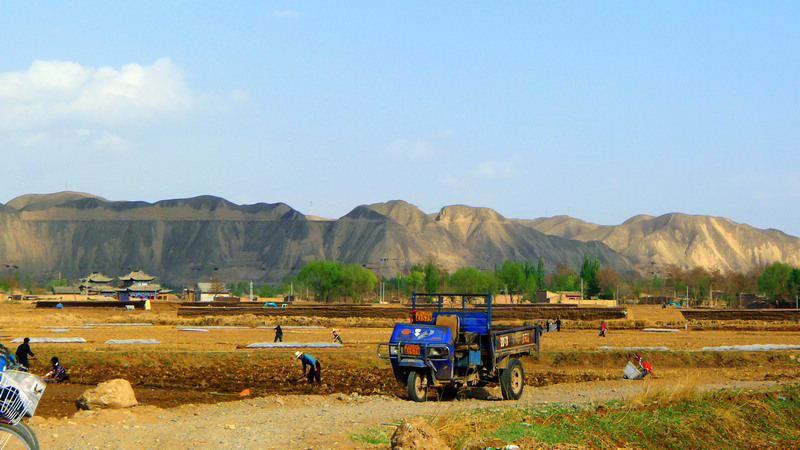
pixel 208 292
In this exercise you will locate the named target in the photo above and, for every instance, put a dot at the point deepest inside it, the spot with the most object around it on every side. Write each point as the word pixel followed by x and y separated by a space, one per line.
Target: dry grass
pixel 459 427
pixel 684 388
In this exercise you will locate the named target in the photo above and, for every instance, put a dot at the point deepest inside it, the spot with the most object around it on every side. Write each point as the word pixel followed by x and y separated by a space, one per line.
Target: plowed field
pixel 212 366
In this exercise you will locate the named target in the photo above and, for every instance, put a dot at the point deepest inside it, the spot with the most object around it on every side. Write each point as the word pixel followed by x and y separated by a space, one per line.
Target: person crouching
pixel 57 373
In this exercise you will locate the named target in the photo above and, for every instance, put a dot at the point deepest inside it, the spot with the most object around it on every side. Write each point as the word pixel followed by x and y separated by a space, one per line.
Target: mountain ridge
pixel 187 240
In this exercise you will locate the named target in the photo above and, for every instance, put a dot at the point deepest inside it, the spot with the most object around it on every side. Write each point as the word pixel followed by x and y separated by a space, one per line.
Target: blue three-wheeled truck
pixel 450 347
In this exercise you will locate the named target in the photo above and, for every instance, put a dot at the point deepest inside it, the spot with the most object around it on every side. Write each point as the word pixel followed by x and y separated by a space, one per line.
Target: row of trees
pixel 328 281
pixel 523 279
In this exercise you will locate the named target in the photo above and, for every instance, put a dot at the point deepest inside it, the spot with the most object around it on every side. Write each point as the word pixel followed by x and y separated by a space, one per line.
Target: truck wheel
pixel 512 380
pixel 417 386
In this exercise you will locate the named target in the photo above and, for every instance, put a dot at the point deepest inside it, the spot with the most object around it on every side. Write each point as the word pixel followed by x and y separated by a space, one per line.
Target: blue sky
pixel 600 110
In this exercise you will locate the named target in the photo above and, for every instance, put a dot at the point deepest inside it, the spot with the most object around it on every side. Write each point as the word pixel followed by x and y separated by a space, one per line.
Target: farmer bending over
pixel 314 369
pixel 337 337
pixel 645 368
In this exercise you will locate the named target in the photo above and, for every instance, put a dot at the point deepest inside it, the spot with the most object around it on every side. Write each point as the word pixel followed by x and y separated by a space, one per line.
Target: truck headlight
pixel 393 350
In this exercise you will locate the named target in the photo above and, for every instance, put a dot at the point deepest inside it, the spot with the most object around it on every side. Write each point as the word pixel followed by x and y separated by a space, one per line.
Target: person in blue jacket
pixel 314 368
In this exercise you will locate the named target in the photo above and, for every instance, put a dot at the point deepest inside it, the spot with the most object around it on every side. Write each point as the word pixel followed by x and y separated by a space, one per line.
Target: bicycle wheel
pixel 22 426
pixel 16 438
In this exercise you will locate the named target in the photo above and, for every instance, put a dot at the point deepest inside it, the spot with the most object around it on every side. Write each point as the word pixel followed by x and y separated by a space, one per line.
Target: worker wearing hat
pixel 314 368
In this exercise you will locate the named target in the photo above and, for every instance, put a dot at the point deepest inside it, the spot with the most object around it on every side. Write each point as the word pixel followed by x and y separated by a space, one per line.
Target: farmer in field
pixel 278 334
pixel 22 353
pixel 645 368
pixel 337 337
pixel 603 328
pixel 314 368
pixel 57 373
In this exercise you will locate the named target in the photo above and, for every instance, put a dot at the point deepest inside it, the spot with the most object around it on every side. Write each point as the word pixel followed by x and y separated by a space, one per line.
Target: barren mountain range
pixel 188 240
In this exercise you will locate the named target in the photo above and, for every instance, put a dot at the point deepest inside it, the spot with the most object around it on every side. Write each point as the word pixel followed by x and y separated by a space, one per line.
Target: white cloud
pixel 63 92
pixel 493 169
pixel 419 150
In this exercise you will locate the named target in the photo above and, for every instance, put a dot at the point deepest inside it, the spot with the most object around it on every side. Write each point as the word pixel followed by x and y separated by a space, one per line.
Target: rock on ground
pixel 117 393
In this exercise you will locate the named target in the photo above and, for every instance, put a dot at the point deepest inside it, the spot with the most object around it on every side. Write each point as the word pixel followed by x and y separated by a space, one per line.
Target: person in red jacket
pixel 645 368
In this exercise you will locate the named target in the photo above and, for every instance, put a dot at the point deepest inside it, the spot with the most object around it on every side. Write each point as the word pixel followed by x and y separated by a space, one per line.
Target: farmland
pixel 191 366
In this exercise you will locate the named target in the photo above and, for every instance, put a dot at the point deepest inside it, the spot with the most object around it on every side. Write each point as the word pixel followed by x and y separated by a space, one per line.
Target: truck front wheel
pixel 512 380
pixel 417 386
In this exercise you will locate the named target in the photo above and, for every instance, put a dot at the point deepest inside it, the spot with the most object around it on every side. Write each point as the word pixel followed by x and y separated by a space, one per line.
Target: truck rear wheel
pixel 512 380
pixel 417 386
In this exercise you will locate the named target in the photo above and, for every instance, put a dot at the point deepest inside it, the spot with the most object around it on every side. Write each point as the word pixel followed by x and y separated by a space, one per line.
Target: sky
pixel 597 110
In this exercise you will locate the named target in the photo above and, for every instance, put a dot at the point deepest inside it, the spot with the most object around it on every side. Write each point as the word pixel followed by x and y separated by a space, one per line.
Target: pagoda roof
pixel 137 275
pixel 97 277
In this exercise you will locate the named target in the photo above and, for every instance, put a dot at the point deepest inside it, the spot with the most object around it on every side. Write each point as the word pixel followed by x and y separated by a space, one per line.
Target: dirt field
pixel 195 367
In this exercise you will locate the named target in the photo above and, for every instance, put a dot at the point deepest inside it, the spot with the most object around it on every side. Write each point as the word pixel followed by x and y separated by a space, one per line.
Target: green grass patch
pixel 724 419
pixel 374 436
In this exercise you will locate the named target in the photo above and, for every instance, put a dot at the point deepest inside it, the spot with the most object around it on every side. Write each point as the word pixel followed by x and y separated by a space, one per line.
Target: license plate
pixel 423 316
pixel 411 349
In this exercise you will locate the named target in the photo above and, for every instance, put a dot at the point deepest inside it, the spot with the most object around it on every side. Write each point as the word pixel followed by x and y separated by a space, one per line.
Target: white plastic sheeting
pixel 293 344
pixel 212 327
pixel 655 349
pixel 132 341
pixel 753 347
pixel 118 324
pixel 294 327
pixel 52 340
pixel 665 330
pixel 194 329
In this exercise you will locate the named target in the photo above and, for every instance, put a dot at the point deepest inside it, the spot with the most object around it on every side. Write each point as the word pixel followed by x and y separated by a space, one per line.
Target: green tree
pixel 358 280
pixel 564 279
pixel 794 283
pixel 431 278
pixel 469 280
pixel 240 289
pixel 511 277
pixel 774 280
pixel 323 277
pixel 58 282
pixel 414 281
pixel 589 270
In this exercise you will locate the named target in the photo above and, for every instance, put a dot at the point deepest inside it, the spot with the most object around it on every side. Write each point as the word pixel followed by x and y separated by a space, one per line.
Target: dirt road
pixel 297 421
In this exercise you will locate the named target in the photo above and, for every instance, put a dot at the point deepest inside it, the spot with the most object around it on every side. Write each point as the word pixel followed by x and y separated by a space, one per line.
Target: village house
pixel 209 292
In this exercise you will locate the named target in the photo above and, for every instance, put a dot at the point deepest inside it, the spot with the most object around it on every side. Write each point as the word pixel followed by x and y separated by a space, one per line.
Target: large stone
pixel 416 434
pixel 116 393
